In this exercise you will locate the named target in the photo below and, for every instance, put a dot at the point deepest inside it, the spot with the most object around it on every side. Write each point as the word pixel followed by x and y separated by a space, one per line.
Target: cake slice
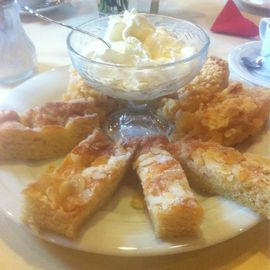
pixel 173 209
pixel 212 78
pixel 44 132
pixel 232 116
pixel 216 169
pixel 63 199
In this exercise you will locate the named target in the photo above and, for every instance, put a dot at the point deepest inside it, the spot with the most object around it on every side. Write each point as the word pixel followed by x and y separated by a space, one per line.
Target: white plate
pixel 46 7
pixel 262 4
pixel 117 229
pixel 255 76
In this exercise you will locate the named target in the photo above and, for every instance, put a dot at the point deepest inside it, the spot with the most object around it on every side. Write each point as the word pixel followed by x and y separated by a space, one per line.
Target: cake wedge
pixel 61 200
pixel 47 131
pixel 216 169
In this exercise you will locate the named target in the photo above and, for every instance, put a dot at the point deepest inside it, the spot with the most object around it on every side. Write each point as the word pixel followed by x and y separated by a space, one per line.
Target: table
pixel 21 250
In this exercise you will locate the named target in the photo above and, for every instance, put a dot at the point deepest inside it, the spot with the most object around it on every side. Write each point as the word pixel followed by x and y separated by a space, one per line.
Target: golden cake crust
pixel 217 169
pixel 63 199
pixel 78 89
pixel 172 206
pixel 45 132
pixel 212 78
pixel 233 115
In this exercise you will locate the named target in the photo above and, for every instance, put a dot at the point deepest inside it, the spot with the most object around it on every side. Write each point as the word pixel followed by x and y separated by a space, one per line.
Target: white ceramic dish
pixel 255 76
pixel 262 4
pixel 117 229
pixel 46 6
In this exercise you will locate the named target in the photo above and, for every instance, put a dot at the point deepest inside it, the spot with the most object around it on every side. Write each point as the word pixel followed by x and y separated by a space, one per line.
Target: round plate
pixel 117 229
pixel 255 76
pixel 262 4
pixel 46 7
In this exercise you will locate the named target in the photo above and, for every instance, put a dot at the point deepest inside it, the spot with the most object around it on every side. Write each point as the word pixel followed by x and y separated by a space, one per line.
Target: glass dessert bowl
pixel 150 56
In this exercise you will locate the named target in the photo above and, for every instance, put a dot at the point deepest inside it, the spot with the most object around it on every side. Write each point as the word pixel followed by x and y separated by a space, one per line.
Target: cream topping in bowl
pixel 145 56
pixel 135 41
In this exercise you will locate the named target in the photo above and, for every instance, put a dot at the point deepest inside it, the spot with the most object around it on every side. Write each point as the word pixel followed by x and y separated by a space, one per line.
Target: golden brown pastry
pixel 173 209
pixel 63 199
pixel 233 115
pixel 59 112
pixel 45 132
pixel 216 169
pixel 212 78
pixel 78 89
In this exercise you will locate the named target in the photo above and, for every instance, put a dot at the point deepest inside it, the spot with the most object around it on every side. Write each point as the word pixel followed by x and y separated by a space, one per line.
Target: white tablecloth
pixel 20 250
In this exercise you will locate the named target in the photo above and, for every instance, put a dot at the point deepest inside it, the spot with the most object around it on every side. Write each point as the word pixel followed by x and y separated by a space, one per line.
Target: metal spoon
pixel 252 63
pixel 31 11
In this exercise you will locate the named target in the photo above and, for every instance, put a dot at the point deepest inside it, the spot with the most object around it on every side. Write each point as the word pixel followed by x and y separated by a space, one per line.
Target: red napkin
pixel 231 21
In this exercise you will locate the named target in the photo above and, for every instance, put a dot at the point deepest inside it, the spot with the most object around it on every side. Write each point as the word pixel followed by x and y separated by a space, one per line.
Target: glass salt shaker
pixel 17 53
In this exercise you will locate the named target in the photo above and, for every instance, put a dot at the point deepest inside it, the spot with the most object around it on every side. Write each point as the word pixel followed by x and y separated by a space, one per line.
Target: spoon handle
pixel 31 11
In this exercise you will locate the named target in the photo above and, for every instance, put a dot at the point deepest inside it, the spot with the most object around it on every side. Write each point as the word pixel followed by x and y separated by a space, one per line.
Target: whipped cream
pixel 136 42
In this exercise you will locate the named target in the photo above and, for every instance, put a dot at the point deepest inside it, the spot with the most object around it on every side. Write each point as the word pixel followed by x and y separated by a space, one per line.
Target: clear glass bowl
pixel 138 83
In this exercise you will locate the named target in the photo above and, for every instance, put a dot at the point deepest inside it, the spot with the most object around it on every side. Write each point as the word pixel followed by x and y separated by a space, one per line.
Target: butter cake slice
pixel 216 169
pixel 63 199
pixel 212 78
pixel 173 209
pixel 45 132
pixel 232 116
